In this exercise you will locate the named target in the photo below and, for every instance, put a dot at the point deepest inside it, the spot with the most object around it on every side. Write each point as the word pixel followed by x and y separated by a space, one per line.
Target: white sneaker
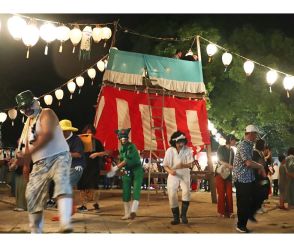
pixel 18 209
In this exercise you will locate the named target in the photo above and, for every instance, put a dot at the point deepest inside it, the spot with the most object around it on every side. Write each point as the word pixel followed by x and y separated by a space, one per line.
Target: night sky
pixel 42 73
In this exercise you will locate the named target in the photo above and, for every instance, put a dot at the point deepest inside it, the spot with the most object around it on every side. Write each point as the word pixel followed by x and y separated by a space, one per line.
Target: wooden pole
pixel 211 177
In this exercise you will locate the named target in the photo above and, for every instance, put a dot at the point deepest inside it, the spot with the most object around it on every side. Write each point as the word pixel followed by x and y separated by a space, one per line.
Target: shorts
pixel 56 168
pixel 75 176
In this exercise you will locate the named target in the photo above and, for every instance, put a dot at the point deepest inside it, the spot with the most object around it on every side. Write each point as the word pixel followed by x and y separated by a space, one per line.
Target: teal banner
pixel 157 67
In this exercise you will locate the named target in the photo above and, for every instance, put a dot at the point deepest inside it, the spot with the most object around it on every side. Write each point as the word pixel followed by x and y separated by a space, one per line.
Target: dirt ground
pixel 153 216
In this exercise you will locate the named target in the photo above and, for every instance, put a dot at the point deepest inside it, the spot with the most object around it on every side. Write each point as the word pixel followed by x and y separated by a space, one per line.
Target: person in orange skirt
pixel 223 177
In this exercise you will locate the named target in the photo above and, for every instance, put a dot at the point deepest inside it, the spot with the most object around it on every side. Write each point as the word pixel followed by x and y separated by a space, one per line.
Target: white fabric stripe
pixel 123 115
pixel 99 111
pixel 122 78
pixel 145 117
pixel 180 86
pixel 134 79
pixel 193 126
pixel 169 116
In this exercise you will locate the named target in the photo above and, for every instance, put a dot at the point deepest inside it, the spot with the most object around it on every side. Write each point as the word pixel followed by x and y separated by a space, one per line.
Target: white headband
pixel 179 138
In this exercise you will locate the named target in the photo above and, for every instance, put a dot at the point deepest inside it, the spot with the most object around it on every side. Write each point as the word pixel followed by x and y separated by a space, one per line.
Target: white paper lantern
pixel 211 49
pixel 62 34
pixel 101 65
pixel 227 59
pixel 12 113
pixel 288 83
pixel 59 95
pixel 75 36
pixel 80 82
pixel 97 34
pixel 16 26
pixel 71 86
pixel 248 67
pixel 48 99
pixel 48 34
pixel 91 73
pixel 3 117
pixel 106 33
pixel 30 36
pixel 271 77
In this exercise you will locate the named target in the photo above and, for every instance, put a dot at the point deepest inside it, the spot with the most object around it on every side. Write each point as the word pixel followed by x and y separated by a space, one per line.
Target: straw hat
pixel 67 125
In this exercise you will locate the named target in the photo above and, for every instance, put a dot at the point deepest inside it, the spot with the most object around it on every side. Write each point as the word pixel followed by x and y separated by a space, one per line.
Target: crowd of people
pixel 52 161
pixel 253 172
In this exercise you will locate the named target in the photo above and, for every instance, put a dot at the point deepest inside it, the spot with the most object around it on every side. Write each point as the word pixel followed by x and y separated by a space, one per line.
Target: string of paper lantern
pixel 249 65
pixel 26 29
pixel 59 92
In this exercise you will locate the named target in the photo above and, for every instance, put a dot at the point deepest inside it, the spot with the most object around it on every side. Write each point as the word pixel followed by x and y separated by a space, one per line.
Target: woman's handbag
pixel 223 171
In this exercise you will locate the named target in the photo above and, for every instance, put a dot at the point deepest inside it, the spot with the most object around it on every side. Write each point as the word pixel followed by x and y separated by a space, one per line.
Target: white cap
pixel 251 128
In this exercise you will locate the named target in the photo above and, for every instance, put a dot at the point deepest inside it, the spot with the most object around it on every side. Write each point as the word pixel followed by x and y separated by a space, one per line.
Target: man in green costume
pixel 130 164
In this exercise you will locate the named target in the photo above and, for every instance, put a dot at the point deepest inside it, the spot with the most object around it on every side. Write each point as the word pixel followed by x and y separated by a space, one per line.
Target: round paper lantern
pixel 106 33
pixel 101 65
pixel 48 34
pixel 12 113
pixel 3 117
pixel 16 26
pixel 271 77
pixel 59 95
pixel 227 59
pixel 30 36
pixel 211 49
pixel 48 99
pixel 248 67
pixel 288 83
pixel 91 73
pixel 97 34
pixel 71 86
pixel 75 36
pixel 62 34
pixel 80 82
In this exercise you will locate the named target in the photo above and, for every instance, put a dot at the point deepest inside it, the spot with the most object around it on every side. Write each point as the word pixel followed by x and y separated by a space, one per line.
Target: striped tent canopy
pixel 117 109
pixel 172 74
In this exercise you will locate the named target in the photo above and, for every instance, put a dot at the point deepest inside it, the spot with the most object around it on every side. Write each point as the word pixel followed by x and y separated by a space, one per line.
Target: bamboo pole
pixel 198 48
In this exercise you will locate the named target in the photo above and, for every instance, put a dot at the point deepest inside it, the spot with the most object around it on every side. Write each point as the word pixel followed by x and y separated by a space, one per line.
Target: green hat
pixel 24 99
pixel 123 133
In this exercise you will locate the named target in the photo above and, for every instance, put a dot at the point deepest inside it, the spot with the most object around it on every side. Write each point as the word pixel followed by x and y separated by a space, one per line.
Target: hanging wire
pixel 130 31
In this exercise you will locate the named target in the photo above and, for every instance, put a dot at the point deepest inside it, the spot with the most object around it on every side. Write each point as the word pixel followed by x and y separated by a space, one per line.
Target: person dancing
pixel 177 161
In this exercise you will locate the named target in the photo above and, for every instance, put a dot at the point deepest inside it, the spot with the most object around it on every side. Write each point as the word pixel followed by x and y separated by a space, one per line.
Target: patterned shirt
pixel 242 173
